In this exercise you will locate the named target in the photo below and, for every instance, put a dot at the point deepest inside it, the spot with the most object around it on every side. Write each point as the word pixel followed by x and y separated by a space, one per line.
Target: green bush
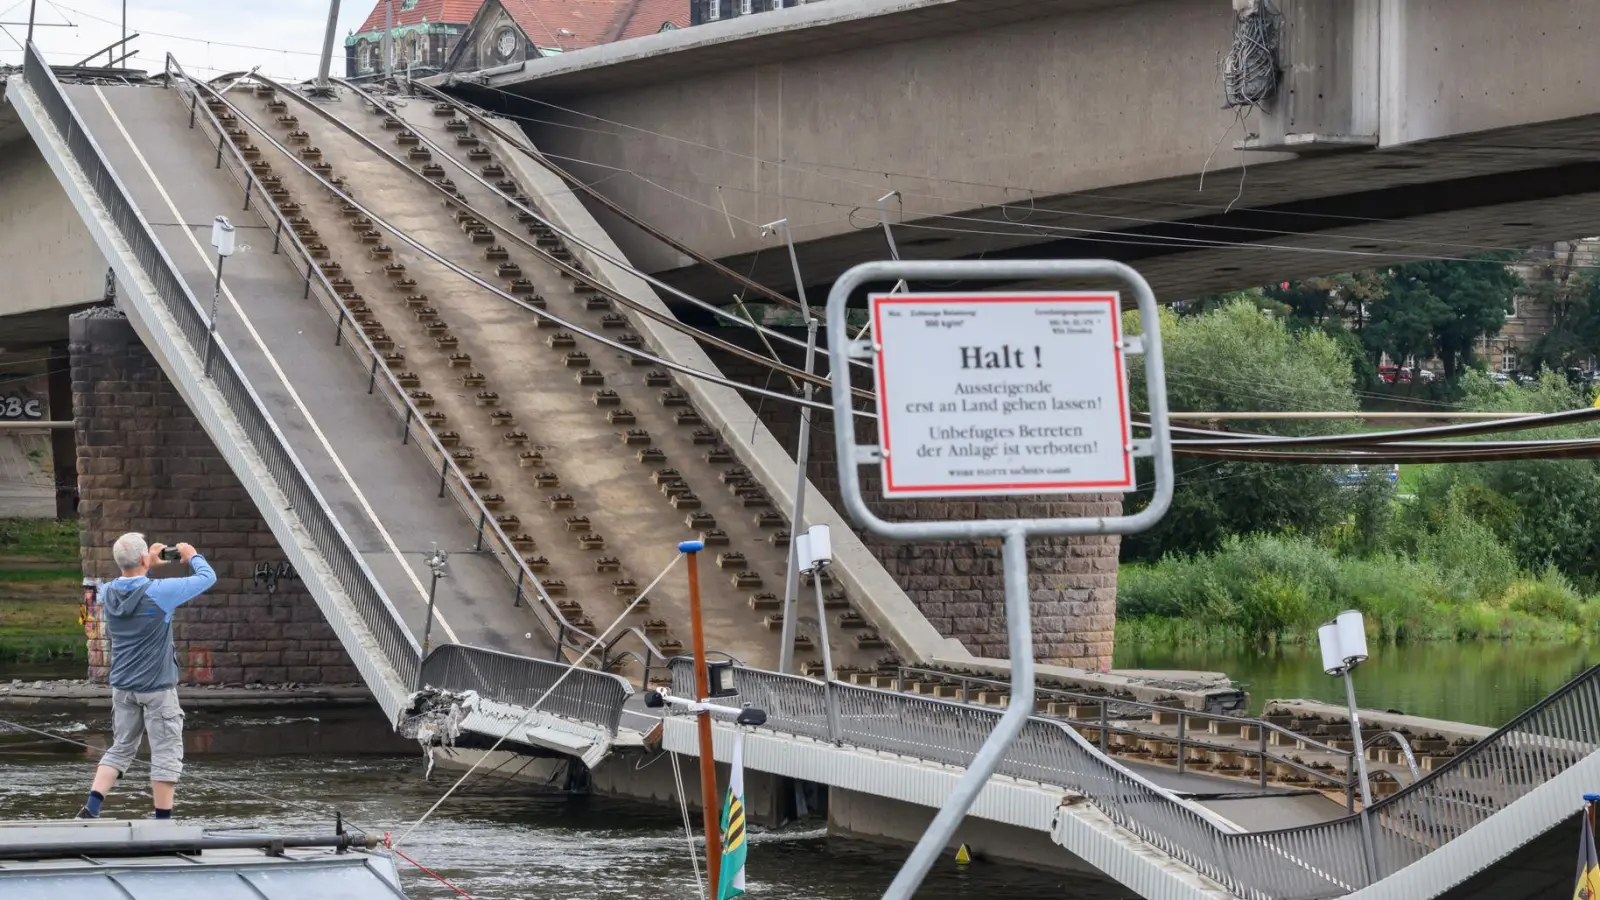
pixel 1462 584
pixel 1550 596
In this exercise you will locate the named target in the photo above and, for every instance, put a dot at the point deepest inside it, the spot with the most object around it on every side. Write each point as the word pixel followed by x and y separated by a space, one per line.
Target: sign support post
pixel 1041 410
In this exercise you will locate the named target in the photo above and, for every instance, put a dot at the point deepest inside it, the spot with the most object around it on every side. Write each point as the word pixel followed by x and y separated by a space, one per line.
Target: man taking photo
pixel 137 611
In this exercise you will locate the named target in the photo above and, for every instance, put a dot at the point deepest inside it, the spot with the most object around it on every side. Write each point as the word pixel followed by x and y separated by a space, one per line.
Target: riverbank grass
pixel 40 591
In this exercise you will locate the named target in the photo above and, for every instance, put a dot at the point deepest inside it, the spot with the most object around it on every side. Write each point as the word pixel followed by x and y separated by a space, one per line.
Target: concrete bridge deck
pixel 385 493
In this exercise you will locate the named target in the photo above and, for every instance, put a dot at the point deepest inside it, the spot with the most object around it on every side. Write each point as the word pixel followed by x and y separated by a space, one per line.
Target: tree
pixel 1330 301
pixel 1574 335
pixel 1442 308
pixel 1235 358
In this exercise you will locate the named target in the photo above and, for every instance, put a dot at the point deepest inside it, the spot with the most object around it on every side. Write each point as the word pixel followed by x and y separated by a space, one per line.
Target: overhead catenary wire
pixel 545 255
pixel 598 252
pixel 428 252
pixel 521 144
pixel 677 367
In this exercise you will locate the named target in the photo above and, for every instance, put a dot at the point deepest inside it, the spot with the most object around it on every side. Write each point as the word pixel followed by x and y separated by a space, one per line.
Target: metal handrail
pixel 396 394
pixel 1301 863
pixel 584 695
pixel 345 564
pixel 1105 726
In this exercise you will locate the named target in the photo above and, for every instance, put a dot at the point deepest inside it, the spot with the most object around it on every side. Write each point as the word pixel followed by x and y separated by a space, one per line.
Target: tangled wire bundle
pixel 1250 68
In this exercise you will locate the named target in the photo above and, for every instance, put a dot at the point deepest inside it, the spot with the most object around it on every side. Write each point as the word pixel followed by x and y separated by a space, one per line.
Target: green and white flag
pixel 731 881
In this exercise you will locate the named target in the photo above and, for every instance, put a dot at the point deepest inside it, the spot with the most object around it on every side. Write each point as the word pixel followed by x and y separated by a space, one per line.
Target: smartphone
pixel 170 554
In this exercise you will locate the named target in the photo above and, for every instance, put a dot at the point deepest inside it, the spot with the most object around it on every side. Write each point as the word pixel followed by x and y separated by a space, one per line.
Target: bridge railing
pixel 1112 711
pixel 1291 864
pixel 322 529
pixel 1541 743
pixel 585 695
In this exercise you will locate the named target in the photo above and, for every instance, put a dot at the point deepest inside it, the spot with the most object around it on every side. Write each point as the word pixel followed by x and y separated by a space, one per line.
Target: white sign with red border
pixel 993 393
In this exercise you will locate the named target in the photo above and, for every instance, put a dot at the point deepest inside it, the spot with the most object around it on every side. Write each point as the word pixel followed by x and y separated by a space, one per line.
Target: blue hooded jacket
pixel 138 616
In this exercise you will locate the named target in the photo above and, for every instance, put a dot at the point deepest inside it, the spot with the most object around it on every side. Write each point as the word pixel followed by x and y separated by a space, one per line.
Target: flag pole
pixel 702 691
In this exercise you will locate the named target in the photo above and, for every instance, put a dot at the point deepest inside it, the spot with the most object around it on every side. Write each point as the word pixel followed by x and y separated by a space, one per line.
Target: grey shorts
pixel 157 714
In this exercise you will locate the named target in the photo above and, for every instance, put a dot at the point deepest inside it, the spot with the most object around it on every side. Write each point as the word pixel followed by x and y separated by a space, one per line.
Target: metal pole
pixel 388 39
pixel 427 628
pixel 124 27
pixel 822 626
pixel 1361 776
pixel 797 522
pixel 435 562
pixel 708 763
pixel 216 298
pixel 829 695
pixel 32 6
pixel 327 46
pixel 972 781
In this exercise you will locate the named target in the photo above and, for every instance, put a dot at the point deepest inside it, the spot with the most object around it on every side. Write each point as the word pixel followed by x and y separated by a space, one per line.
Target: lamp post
pixel 813 551
pixel 435 561
pixel 222 240
pixel 1344 646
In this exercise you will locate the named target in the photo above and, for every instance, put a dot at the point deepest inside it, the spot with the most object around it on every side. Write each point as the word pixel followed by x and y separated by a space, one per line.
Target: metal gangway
pixel 1455 822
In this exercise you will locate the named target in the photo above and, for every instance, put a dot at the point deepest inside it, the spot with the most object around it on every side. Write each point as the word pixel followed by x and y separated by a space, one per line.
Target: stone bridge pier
pixel 146 465
pixel 959 585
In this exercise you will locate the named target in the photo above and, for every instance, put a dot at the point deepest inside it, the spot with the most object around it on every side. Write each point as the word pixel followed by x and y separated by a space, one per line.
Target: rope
pixel 425 870
pixel 688 828
pixel 600 641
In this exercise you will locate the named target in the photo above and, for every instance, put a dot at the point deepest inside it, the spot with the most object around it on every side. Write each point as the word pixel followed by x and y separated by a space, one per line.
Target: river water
pixel 504 839
pixel 1481 683
pixel 495 839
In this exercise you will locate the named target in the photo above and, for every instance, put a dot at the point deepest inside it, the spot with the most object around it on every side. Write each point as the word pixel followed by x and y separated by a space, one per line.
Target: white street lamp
pixel 1344 646
pixel 222 240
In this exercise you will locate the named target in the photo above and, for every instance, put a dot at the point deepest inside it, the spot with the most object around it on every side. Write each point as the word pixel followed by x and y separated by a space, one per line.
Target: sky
pixel 208 37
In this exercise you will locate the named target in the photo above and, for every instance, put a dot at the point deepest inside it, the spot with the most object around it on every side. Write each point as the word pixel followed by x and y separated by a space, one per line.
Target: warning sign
pixel 1001 394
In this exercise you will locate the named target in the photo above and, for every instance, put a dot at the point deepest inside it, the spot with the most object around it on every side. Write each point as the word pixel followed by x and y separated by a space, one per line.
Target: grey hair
pixel 129 551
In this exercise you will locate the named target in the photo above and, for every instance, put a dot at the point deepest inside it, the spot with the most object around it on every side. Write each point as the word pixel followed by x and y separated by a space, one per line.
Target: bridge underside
pixel 1069 129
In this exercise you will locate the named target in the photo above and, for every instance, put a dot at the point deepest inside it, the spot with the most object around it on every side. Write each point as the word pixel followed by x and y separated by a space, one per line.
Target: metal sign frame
pixel 1015 532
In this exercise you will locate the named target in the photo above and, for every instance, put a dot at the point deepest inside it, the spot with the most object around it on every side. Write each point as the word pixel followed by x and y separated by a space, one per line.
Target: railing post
pixel 405 430
pixel 372 380
pixel 831 701
pixel 482 515
pixel 277 237
pixel 561 638
pixel 338 330
pixel 516 600
pixel 1182 719
pixel 444 467
pixel 222 138
pixel 1105 723
pixel 194 100
pixel 1350 784
pixel 1261 752
pixel 310 266
pixel 248 186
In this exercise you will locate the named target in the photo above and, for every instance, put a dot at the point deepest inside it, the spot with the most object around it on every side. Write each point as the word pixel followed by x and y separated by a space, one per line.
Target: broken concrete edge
pixel 871 586
pixel 81 695
pixel 1414 726
pixel 1218 698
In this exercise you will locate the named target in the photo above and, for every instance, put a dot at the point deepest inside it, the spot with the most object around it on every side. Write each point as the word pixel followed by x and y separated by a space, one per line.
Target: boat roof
pixel 91 859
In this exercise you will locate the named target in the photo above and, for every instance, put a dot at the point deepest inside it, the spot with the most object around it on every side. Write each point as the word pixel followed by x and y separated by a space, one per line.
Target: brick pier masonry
pixel 959 585
pixel 146 465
